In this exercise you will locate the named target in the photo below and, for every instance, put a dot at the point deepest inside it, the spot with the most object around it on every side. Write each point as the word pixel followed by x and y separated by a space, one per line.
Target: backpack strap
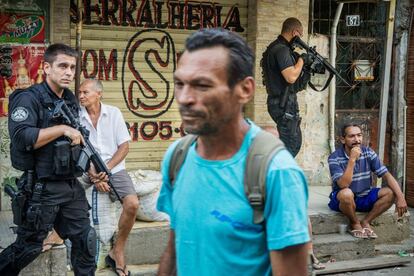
pixel 178 156
pixel 264 147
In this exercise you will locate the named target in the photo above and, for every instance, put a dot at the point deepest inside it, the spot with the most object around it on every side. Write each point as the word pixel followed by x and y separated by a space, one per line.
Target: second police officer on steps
pixel 283 76
pixel 43 147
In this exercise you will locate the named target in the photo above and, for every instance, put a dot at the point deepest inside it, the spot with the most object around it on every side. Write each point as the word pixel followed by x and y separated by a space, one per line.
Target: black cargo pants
pixel 288 121
pixel 63 205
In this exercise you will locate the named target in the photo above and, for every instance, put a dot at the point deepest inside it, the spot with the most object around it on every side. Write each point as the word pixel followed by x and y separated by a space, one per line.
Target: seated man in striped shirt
pixel 351 167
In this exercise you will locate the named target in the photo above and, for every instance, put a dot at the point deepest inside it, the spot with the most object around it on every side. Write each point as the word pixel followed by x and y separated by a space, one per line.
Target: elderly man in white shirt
pixel 110 137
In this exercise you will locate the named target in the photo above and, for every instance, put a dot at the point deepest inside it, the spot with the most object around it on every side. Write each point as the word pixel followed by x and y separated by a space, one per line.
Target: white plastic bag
pixel 147 184
pixel 104 216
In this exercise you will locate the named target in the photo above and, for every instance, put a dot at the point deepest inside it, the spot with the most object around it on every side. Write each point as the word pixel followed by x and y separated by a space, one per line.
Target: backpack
pixel 24 160
pixel 261 152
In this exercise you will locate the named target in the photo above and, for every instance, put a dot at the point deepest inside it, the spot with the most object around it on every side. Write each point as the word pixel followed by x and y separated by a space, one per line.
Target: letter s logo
pixel 149 53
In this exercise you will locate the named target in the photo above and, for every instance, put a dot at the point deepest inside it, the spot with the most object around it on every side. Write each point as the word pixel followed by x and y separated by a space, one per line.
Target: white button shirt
pixel 110 132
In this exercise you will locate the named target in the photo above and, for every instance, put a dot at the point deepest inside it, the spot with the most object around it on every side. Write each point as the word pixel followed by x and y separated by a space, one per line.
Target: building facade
pixel 133 47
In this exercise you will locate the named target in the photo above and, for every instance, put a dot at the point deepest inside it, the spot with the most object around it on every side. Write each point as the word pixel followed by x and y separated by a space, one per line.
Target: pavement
pixel 406 247
pixel 318 200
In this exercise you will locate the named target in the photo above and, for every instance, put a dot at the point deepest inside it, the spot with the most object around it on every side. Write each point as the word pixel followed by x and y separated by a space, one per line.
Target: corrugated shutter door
pixel 134 47
pixel 410 120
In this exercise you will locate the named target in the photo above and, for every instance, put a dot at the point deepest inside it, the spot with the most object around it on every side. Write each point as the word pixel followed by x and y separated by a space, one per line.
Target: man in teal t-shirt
pixel 212 229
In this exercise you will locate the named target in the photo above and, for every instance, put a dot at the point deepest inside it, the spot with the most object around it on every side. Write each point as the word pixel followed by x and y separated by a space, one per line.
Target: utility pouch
pixel 77 154
pixel 33 216
pixel 62 158
pixel 292 122
pixel 18 208
pixel 18 203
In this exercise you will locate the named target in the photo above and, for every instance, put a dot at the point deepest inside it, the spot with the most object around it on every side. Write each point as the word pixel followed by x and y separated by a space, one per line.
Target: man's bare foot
pixel 368 230
pixel 356 226
pixel 120 265
pixel 357 231
pixel 52 239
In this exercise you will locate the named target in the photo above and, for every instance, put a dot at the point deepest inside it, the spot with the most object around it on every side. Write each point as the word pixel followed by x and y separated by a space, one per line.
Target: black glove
pixel 296 56
pixel 307 59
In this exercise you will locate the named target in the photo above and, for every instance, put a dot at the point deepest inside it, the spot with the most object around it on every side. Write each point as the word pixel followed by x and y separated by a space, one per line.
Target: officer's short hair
pixel 241 58
pixel 349 124
pixel 291 24
pixel 57 49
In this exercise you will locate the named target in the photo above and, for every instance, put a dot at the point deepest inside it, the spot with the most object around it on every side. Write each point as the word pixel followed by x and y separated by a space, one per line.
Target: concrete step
pixel 377 262
pixel 325 221
pixel 342 247
pixel 50 263
pixel 146 242
pixel 386 226
pixel 136 270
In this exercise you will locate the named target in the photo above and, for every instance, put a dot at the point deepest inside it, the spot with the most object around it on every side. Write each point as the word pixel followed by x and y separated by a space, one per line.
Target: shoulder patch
pixel 19 114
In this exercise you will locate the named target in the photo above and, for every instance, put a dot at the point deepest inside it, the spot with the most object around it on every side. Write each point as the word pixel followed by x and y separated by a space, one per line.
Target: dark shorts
pixel 123 183
pixel 363 203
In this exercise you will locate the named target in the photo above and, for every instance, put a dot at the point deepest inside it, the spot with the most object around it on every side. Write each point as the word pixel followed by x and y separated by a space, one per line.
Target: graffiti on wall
pixel 103 68
pixel 186 15
pixel 149 58
pixel 140 97
pixel 149 130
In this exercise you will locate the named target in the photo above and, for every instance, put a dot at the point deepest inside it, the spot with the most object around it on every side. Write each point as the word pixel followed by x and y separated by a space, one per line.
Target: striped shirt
pixel 366 164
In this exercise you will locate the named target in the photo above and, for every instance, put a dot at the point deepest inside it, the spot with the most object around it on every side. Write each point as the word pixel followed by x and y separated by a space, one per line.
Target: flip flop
pixel 112 264
pixel 358 233
pixel 370 233
pixel 47 246
pixel 316 264
pixel 123 271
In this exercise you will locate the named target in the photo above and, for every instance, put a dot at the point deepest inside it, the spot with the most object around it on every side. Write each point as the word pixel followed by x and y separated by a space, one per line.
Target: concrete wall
pixel 401 34
pixel 265 22
pixel 313 156
pixel 264 19
pixel 59 21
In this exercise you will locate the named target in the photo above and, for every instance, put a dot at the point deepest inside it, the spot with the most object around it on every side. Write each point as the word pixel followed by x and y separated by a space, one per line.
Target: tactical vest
pixel 54 160
pixel 20 159
pixel 273 91
pixel 261 152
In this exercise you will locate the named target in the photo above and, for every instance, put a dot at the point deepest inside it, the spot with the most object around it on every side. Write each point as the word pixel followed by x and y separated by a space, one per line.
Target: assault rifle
pixel 88 152
pixel 319 63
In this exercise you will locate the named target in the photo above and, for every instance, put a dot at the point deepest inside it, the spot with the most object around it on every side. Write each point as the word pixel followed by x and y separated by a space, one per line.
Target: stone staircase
pixel 148 240
pixel 329 244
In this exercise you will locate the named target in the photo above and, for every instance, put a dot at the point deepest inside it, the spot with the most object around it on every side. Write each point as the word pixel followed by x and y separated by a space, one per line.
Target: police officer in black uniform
pixel 283 78
pixel 49 195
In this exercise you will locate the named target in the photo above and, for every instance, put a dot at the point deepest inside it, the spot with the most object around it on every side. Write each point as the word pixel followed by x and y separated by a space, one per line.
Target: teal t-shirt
pixel 212 218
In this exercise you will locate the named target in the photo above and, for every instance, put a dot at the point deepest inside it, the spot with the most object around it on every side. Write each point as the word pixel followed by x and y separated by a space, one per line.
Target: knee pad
pixel 90 241
pixel 83 252
pixel 85 242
